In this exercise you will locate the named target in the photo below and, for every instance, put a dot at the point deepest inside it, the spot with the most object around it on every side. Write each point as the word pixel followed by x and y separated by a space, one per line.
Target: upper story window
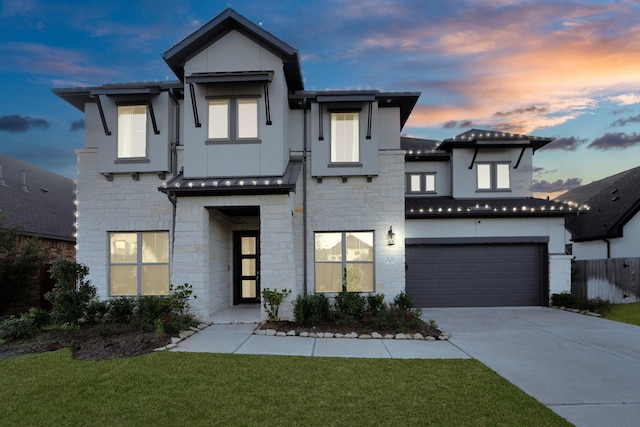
pixel 493 176
pixel 233 119
pixel 421 183
pixel 132 131
pixel 345 139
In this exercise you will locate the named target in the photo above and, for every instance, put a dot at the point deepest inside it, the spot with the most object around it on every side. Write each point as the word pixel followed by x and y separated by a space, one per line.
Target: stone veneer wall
pixel 203 241
pixel 355 205
pixel 119 205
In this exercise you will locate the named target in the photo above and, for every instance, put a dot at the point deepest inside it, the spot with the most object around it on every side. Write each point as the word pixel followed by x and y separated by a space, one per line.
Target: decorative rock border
pixel 183 335
pixel 577 310
pixel 352 335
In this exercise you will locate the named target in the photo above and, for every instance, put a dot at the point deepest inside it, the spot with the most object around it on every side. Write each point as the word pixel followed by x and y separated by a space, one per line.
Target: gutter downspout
pixel 608 248
pixel 174 172
pixel 304 196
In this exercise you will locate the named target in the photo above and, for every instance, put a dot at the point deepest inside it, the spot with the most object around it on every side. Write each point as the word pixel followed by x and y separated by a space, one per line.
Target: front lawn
pixel 167 388
pixel 627 313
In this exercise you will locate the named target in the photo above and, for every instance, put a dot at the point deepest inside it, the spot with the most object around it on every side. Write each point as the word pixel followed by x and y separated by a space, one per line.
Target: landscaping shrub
pixel 121 309
pixel 148 309
pixel 349 307
pixel 179 298
pixel 271 300
pixel 72 294
pixel 565 299
pixel 25 325
pixel 375 303
pixel 96 310
pixel 311 309
pixel 403 302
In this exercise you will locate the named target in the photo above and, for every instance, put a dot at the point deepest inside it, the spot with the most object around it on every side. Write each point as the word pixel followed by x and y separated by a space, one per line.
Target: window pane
pixel 155 280
pixel 247 118
pixel 248 245
pixel 248 267
pixel 502 176
pixel 155 247
pixel 219 119
pixel 345 144
pixel 360 246
pixel 484 176
pixel 132 131
pixel 328 277
pixel 124 248
pixel 414 183
pixel 124 280
pixel 248 289
pixel 328 246
pixel 430 183
pixel 360 277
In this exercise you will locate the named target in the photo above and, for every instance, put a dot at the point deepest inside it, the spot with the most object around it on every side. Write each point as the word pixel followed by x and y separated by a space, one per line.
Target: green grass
pixel 627 313
pixel 223 389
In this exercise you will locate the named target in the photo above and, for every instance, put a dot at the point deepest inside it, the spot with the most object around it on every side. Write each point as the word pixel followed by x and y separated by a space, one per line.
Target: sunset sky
pixel 565 69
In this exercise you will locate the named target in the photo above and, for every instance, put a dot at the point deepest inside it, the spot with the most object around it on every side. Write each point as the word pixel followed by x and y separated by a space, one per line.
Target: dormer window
pixel 493 176
pixel 345 139
pixel 132 131
pixel 233 119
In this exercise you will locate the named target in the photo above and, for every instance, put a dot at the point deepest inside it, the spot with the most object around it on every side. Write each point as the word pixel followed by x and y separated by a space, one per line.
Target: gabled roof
pixel 448 207
pixel 613 201
pixel 42 203
pixel 478 138
pixel 229 20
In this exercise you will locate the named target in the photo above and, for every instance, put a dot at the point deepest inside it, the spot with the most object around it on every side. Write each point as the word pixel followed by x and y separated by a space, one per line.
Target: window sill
pixel 231 141
pixel 345 165
pixel 131 160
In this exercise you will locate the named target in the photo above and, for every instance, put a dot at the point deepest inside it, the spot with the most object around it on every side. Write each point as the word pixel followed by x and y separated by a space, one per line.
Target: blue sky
pixel 569 69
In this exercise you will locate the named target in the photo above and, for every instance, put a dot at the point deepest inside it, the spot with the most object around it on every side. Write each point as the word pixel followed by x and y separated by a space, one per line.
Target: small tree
pixel 72 295
pixel 20 259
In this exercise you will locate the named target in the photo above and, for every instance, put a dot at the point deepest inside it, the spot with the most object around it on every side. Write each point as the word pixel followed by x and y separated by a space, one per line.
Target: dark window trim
pixel 423 183
pixel 493 177
pixel 233 122
pixel 345 165
pixel 131 160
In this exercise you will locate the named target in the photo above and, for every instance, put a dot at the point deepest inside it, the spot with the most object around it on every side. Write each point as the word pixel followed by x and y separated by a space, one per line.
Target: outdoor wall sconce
pixel 391 237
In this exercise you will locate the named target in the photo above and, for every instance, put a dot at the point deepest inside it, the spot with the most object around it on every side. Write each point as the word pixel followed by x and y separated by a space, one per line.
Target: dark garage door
pixel 488 275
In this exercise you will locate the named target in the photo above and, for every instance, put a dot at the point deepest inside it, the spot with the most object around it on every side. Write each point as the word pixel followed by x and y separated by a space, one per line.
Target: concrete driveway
pixel 584 368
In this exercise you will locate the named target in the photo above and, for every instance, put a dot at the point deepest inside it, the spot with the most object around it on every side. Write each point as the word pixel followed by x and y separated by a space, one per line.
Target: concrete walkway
pixel 585 369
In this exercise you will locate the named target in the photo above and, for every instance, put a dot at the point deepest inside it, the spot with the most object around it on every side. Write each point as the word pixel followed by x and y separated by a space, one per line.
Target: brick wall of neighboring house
pixel 42 282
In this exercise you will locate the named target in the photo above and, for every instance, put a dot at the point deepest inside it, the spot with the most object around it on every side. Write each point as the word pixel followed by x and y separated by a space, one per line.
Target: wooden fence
pixel 616 280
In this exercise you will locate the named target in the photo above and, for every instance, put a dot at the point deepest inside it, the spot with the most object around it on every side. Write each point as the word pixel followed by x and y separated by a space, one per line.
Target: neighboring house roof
pixel 448 207
pixel 612 202
pixel 418 149
pixel 478 138
pixel 181 186
pixel 38 200
pixel 229 20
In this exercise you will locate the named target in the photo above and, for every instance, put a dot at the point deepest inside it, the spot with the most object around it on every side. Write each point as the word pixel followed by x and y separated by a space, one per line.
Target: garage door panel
pixel 475 275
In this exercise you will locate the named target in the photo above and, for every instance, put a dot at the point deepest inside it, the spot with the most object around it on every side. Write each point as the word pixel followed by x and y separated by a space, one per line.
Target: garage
pixel 459 274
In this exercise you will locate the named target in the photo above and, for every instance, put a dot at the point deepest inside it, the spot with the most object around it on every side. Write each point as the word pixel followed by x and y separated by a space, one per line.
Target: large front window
pixel 233 119
pixel 345 140
pixel 139 263
pixel 344 258
pixel 132 131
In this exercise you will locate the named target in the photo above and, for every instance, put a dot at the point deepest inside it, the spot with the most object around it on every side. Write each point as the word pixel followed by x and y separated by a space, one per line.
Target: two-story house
pixel 234 178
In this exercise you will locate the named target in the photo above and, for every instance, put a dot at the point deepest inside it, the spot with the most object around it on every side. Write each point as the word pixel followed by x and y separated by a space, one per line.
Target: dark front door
pixel 246 267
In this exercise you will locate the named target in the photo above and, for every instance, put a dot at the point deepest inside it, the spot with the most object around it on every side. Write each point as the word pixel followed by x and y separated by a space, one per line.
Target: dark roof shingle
pixel 46 209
